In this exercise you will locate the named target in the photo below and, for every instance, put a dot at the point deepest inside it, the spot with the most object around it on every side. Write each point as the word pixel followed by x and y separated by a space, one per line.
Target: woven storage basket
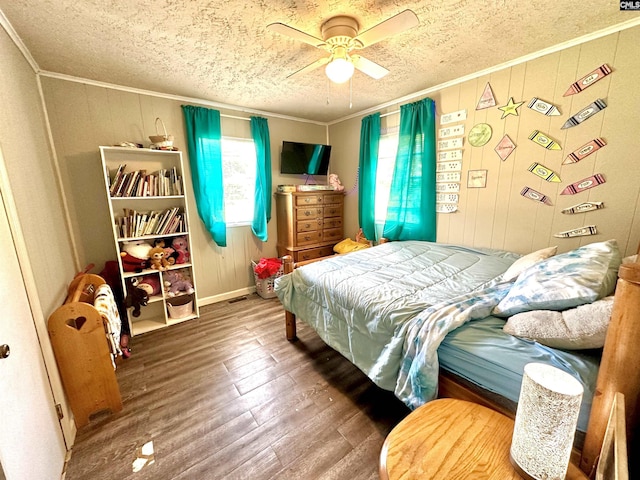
pixel 161 141
pixel 180 307
pixel 264 286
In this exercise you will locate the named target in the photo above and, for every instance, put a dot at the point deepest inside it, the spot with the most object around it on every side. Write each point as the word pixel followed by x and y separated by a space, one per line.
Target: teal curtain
pixel 262 199
pixel 367 169
pixel 411 214
pixel 205 156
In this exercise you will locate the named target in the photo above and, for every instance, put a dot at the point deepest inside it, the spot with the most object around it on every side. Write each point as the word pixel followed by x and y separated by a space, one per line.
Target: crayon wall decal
pixel 535 195
pixel 543 107
pixel 587 112
pixel 583 207
pixel 544 173
pixel 578 232
pixel 541 139
pixel 584 151
pixel 588 80
pixel 584 184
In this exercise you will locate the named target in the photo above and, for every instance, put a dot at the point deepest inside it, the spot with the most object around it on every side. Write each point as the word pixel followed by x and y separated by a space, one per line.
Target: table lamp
pixel 545 423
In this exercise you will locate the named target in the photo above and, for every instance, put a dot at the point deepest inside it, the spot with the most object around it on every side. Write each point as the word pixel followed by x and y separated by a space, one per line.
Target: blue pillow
pixel 564 281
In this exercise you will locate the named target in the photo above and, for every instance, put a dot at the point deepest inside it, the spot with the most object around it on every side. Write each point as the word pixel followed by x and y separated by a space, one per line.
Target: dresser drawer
pixel 308 213
pixel 308 238
pixel 309 225
pixel 302 200
pixel 331 234
pixel 312 253
pixel 333 213
pixel 337 199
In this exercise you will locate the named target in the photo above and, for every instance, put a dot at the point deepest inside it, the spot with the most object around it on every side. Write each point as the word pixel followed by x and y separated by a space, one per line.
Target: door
pixel 31 442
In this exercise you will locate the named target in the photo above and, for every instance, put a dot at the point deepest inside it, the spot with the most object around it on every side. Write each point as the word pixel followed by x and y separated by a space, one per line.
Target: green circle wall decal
pixel 480 134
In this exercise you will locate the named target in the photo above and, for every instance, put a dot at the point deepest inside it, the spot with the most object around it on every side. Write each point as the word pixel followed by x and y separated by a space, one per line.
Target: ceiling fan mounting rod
pixel 341 30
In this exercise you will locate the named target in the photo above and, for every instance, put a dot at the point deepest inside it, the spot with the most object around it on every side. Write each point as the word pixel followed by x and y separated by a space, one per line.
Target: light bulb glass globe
pixel 339 70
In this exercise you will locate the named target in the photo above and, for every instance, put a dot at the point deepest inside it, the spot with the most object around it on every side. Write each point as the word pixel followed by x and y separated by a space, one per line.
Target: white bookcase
pixel 158 194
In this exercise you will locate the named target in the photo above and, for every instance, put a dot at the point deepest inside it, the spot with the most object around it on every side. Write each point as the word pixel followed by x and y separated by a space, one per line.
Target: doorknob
pixel 4 351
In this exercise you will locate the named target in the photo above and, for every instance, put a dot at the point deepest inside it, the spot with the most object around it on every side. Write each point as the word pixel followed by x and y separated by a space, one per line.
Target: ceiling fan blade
pixel 392 26
pixel 288 31
pixel 367 66
pixel 311 66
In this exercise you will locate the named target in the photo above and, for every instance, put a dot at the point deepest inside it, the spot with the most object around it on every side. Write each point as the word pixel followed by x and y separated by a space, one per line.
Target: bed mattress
pixel 480 352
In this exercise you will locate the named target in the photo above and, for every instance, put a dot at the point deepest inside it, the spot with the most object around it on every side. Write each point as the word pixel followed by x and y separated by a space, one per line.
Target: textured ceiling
pixel 220 50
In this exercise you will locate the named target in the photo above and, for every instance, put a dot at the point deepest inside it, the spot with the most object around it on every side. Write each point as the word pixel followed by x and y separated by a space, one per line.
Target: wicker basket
pixel 180 307
pixel 161 141
pixel 265 286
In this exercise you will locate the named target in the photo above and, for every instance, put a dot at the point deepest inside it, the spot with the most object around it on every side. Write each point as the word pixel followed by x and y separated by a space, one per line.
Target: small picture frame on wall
pixel 477 179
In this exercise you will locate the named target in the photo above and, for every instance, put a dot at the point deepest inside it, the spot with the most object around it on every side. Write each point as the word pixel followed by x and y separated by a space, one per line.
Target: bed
pixel 424 320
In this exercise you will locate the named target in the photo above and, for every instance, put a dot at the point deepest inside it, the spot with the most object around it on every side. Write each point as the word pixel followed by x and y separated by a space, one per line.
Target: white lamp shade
pixel 339 70
pixel 546 421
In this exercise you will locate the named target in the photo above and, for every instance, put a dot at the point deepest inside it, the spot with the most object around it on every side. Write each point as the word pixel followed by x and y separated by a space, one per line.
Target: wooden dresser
pixel 309 223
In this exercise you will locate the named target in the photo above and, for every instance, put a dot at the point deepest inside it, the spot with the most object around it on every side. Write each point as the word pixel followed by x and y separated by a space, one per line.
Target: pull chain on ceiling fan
pixel 340 38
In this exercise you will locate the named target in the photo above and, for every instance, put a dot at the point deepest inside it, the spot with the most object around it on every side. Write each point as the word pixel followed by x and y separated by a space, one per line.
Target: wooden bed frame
pixel 619 368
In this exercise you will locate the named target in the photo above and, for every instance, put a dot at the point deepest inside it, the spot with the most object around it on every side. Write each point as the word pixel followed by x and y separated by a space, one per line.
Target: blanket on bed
pixel 387 308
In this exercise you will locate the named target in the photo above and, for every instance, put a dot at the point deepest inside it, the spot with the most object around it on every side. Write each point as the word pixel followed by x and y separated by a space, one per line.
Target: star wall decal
pixel 510 108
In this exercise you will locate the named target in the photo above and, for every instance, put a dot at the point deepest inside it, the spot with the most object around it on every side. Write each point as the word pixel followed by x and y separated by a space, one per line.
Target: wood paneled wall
pixel 498 216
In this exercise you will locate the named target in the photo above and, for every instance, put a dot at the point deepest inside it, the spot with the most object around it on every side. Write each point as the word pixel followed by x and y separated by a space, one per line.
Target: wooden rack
pixel 77 333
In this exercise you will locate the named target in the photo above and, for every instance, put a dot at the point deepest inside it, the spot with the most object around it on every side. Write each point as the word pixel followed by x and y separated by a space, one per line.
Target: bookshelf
pixel 147 204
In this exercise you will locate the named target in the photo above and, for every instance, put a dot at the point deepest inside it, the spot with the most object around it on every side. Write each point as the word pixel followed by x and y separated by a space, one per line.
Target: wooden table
pixel 452 439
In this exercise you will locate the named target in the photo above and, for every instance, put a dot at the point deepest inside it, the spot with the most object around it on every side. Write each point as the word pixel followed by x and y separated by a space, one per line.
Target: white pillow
pixel 525 262
pixel 575 329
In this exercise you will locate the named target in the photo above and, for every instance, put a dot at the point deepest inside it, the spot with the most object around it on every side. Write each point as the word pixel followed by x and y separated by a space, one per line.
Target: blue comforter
pixel 387 308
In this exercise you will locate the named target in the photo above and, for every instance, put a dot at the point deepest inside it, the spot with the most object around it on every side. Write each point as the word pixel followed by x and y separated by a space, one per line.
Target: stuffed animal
pixel 181 247
pixel 136 297
pixel 157 260
pixel 150 284
pixel 169 253
pixel 176 282
pixel 335 182
pixel 134 255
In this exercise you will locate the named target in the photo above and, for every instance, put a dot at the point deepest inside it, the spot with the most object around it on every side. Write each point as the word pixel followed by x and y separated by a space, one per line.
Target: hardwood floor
pixel 228 397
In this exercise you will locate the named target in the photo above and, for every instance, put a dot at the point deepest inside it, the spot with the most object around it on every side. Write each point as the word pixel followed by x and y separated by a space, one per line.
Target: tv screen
pixel 304 158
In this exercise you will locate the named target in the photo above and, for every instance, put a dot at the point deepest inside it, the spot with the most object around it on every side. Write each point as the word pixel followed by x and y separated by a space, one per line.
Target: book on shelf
pixel 164 182
pixel 139 224
pixel 117 178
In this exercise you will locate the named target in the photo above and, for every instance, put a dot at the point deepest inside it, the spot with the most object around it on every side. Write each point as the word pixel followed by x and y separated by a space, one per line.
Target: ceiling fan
pixel 340 37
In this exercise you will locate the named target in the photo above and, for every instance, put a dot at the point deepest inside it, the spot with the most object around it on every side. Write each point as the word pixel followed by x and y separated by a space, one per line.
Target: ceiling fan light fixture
pixel 339 70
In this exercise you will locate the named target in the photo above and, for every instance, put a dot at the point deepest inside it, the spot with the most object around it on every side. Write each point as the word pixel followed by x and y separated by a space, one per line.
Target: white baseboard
pixel 226 296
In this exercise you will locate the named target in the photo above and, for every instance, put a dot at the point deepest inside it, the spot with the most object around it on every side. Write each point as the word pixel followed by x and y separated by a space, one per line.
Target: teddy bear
pixel 181 247
pixel 335 182
pixel 176 282
pixel 157 260
pixel 136 297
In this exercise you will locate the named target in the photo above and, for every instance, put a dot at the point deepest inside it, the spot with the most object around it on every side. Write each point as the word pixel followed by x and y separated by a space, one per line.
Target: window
pixel 239 177
pixel 386 161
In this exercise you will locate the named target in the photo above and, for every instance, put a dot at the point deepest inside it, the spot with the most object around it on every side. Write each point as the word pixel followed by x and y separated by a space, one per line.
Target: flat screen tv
pixel 304 158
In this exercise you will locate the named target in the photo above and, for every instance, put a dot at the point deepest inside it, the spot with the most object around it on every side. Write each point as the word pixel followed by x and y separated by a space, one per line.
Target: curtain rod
pixel 248 119
pixel 389 113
